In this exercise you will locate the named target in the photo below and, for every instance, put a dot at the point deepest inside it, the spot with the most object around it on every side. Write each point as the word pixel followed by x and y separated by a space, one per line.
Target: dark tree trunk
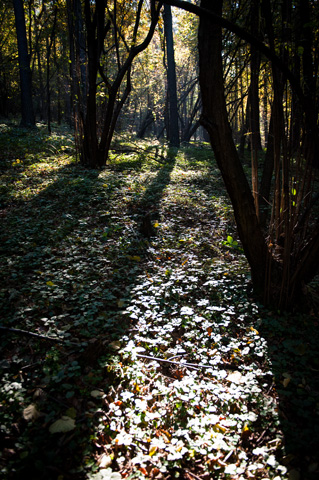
pixel 286 256
pixel 311 149
pixel 254 81
pixel 146 123
pixel 255 144
pixel 96 140
pixel 171 78
pixel 273 147
pixel 27 112
pixel 80 50
pixel 215 120
pixel 49 42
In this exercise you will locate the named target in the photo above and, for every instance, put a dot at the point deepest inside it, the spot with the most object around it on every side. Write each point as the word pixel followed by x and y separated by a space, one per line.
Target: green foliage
pixel 75 268
pixel 230 242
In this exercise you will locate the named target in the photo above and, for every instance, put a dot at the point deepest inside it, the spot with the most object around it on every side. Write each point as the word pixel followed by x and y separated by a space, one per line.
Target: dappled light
pixel 159 240
pixel 139 352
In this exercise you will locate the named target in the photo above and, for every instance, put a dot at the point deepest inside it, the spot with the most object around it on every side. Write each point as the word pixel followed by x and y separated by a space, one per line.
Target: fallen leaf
pixel 97 394
pixel 116 345
pixel 31 413
pixel 254 330
pixel 71 412
pixel 63 425
pixel 105 461
pixel 152 450
pixel 286 381
pixel 235 377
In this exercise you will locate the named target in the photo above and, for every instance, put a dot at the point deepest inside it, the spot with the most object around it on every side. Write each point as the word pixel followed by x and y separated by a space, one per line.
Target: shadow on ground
pixel 67 269
pixel 293 342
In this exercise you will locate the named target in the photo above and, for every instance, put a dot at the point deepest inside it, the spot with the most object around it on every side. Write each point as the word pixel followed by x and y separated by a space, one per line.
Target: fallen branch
pixel 192 365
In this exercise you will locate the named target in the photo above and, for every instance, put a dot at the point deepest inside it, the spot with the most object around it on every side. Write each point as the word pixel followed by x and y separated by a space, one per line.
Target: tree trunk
pixel 285 257
pixel 146 123
pixel 98 131
pixel 49 42
pixel 171 78
pixel 215 120
pixel 27 112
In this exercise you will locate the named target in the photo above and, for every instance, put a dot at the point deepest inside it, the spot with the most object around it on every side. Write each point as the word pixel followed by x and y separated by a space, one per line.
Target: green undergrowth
pixel 151 358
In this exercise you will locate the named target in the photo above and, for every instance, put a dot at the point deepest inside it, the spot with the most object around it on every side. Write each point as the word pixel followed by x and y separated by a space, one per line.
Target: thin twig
pixel 192 365
pixel 38 335
pixel 179 355
pixel 193 475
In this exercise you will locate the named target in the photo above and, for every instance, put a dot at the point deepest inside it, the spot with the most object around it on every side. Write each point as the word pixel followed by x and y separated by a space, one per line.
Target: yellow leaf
pixel 136 258
pixel 219 428
pixel 254 330
pixel 156 225
pixel 179 446
pixel 50 284
pixel 105 185
pixel 153 450
pixel 245 432
pixel 191 453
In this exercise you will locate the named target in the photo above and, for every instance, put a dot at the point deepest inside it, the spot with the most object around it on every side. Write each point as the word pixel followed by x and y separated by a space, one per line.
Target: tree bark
pixel 28 119
pixel 171 79
pixel 96 140
pixel 214 118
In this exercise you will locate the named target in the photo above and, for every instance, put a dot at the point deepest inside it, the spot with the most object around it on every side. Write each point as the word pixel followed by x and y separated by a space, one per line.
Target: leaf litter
pixel 163 367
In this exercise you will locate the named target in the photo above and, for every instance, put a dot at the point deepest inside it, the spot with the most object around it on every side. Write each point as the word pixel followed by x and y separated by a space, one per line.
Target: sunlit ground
pixel 232 391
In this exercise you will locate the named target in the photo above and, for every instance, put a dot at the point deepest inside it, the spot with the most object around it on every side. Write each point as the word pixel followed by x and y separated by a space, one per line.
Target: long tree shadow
pixel 147 208
pixel 68 275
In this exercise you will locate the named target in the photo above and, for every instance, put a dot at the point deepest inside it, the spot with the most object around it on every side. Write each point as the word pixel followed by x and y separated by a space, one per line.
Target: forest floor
pixel 149 357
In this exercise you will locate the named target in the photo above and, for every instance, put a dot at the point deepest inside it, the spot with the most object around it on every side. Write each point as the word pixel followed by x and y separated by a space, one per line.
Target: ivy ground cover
pixel 131 343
